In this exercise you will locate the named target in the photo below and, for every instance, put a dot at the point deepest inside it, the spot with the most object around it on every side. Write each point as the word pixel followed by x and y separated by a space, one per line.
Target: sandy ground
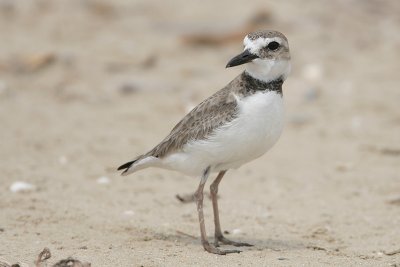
pixel 88 85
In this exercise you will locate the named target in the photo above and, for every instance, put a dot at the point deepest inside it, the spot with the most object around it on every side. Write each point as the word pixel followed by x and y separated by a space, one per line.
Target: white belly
pixel 255 130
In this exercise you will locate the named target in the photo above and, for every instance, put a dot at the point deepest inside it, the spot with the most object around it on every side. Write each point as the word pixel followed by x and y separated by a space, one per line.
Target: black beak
pixel 242 58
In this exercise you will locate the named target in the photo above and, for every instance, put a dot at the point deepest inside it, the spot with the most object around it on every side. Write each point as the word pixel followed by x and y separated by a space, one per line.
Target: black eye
pixel 273 45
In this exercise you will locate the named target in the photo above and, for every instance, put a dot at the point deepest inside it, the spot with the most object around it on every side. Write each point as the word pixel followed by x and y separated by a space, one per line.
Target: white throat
pixel 268 70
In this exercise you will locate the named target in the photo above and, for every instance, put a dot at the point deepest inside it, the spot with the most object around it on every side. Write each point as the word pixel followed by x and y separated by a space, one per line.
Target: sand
pixel 88 85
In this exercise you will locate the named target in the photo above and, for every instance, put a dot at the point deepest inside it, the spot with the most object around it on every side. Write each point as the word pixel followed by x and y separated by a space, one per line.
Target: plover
pixel 237 124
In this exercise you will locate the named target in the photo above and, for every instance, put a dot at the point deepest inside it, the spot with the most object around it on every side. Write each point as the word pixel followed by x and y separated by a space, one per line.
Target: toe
pixel 241 244
pixel 212 249
pixel 226 241
pixel 232 251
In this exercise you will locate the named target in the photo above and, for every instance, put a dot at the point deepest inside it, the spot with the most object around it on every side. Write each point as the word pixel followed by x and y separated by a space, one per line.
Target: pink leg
pixel 219 237
pixel 199 200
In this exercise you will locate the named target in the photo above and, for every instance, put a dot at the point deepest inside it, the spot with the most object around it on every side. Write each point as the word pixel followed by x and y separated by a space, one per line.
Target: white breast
pixel 255 130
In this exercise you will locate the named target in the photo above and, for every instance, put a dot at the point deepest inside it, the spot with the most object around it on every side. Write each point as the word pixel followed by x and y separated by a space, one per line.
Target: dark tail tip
pixel 126 165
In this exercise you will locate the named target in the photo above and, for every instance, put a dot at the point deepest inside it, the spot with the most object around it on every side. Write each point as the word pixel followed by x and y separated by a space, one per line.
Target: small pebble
pixel 236 231
pixel 103 180
pixel 19 186
pixel 129 213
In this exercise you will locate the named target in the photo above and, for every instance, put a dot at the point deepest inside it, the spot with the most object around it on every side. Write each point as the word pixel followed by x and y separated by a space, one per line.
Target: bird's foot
pixel 187 198
pixel 212 249
pixel 226 241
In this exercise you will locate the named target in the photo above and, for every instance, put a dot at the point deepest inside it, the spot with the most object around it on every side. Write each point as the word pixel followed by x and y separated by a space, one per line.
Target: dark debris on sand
pixel 42 258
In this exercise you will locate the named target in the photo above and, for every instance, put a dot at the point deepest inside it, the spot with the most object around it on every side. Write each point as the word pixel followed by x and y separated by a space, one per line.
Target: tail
pixel 138 164
pixel 126 166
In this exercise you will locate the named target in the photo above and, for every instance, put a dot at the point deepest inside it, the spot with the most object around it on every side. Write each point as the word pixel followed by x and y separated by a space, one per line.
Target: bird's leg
pixel 219 237
pixel 199 200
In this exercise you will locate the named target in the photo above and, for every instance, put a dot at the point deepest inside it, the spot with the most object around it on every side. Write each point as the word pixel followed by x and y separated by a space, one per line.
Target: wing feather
pixel 199 123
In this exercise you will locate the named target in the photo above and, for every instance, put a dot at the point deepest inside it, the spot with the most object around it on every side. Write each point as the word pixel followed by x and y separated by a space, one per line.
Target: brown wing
pixel 199 123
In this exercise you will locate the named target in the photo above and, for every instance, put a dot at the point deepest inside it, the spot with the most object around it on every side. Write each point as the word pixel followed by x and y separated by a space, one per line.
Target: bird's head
pixel 266 54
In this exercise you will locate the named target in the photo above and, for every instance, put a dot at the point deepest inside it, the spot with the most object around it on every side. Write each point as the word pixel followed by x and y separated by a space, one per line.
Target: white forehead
pixel 255 45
